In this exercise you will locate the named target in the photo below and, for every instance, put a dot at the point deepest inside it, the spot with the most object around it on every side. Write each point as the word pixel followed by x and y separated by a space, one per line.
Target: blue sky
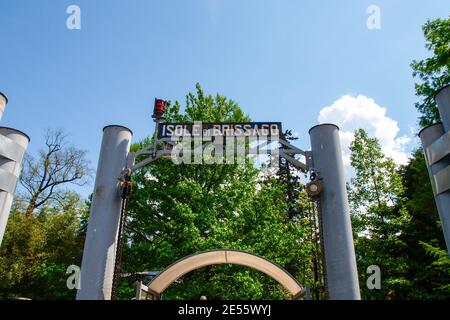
pixel 280 60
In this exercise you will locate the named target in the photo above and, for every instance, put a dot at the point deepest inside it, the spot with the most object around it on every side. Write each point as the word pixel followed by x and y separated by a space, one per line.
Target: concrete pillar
pixel 13 144
pixel 3 102
pixel 97 267
pixel 342 274
pixel 428 136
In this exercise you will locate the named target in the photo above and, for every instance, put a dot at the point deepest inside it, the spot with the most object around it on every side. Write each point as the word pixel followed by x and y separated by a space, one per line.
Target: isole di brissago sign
pixel 199 129
pixel 215 143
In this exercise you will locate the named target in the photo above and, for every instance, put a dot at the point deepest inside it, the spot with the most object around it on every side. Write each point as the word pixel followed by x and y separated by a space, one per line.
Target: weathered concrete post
pixel 13 144
pixel 340 261
pixel 436 145
pixel 97 268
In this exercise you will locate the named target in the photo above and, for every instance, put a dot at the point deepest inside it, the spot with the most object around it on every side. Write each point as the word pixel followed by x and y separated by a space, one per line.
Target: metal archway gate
pixel 117 163
pixel 214 257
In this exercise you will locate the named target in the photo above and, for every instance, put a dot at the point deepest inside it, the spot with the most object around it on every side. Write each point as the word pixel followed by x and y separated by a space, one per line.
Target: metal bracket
pixel 152 154
pixel 144 293
pixel 291 149
pixel 288 152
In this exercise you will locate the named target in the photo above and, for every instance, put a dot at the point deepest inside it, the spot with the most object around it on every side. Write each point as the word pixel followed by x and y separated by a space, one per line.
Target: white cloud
pixel 351 113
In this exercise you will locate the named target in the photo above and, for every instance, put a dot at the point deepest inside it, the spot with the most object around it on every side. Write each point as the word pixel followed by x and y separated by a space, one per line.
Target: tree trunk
pixel 31 206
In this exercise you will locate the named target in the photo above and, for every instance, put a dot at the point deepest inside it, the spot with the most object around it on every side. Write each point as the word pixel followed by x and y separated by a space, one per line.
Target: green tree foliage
pixel 178 210
pixel 442 264
pixel 433 73
pixel 422 234
pixel 396 224
pixel 37 250
pixel 45 231
pixel 376 196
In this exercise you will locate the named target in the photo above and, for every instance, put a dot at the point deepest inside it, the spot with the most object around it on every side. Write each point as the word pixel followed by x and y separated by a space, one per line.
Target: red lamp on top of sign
pixel 159 109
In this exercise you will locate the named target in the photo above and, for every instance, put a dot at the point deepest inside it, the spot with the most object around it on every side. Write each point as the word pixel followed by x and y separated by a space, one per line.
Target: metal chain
pixel 322 246
pixel 118 258
pixel 315 240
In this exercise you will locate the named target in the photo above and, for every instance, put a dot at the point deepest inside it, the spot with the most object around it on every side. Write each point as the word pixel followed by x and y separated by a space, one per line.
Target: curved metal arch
pixel 213 257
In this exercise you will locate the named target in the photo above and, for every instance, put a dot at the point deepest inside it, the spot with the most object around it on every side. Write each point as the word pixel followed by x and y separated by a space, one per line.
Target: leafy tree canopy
pixel 434 72
pixel 178 210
